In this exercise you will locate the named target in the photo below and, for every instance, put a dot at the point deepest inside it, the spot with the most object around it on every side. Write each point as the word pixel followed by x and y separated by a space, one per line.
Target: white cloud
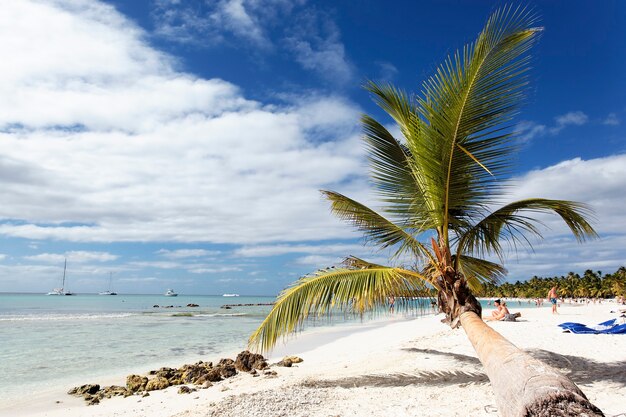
pixel 187 253
pixel 104 140
pixel 215 22
pixel 597 182
pixel 3 256
pixel 316 45
pixel 573 118
pixel 529 130
pixel 274 250
pixel 611 120
pixel 73 256
pixel 319 261
pixel 214 270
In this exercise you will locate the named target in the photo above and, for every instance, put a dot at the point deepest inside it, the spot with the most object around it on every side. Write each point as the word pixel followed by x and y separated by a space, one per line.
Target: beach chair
pixel 606 327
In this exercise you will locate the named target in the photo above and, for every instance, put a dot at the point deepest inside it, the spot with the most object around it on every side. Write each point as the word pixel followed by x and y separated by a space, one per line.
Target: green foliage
pixel 590 285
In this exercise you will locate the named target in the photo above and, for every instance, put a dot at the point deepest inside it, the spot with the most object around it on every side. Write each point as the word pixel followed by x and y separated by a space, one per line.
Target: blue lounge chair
pixel 606 327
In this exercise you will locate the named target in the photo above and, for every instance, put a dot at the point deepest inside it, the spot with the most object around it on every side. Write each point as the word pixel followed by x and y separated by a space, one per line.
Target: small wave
pixel 65 317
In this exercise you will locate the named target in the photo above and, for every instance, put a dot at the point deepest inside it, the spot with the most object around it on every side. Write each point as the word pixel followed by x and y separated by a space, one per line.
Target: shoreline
pixel 397 366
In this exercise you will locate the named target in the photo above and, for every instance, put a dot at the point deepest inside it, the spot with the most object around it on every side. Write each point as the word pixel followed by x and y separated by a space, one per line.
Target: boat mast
pixel 64 268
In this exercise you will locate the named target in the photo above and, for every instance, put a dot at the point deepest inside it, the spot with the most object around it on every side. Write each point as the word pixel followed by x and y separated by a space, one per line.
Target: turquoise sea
pixel 52 341
pixel 46 341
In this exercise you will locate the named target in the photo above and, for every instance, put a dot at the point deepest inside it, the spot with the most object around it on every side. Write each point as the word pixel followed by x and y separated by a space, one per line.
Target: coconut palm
pixel 438 184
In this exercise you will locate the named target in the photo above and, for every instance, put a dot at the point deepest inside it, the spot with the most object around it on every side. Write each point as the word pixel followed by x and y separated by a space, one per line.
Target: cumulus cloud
pixel 112 143
pixel 597 182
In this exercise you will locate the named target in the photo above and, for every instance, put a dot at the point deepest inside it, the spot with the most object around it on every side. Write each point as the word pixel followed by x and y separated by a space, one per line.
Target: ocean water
pixel 47 342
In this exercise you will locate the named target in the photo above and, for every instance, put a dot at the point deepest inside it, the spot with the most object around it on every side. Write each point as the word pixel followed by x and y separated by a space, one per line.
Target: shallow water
pixel 48 342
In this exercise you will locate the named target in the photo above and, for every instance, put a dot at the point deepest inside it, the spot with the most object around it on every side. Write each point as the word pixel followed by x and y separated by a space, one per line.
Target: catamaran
pixel 109 292
pixel 61 291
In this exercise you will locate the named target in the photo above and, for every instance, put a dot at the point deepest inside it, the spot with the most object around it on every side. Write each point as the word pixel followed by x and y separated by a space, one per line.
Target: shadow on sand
pixel 579 369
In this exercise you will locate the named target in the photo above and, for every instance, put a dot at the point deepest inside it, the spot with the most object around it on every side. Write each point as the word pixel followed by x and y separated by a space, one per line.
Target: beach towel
pixel 606 327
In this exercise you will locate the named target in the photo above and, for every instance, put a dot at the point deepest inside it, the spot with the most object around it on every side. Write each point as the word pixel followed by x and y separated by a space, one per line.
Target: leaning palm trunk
pixel 523 386
pixel 439 180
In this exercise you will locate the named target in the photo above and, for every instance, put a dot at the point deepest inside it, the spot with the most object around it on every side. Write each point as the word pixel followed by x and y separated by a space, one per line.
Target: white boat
pixel 108 292
pixel 61 291
pixel 170 293
pixel 230 295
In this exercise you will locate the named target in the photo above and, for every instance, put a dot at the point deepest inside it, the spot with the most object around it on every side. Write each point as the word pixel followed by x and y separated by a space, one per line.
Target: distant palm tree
pixel 437 184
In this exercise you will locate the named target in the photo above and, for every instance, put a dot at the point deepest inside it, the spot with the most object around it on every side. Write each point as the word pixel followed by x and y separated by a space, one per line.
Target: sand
pixel 397 367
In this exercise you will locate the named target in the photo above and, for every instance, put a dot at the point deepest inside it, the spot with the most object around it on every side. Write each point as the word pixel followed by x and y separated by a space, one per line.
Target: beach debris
pixel 201 374
pixel 287 361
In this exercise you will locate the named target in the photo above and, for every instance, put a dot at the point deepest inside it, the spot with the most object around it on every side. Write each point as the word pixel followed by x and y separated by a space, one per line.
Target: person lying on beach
pixel 501 313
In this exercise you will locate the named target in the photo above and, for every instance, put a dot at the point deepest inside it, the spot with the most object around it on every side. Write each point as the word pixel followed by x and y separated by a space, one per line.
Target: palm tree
pixel 437 185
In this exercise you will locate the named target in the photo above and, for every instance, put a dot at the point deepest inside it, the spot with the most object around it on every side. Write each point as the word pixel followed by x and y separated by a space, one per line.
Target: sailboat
pixel 61 291
pixel 109 292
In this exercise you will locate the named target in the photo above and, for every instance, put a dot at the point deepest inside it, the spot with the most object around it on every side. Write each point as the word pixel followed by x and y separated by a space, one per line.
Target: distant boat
pixel 170 293
pixel 109 292
pixel 61 291
pixel 230 295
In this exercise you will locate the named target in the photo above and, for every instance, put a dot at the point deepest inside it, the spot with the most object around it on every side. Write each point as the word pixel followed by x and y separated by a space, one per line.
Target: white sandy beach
pixel 400 367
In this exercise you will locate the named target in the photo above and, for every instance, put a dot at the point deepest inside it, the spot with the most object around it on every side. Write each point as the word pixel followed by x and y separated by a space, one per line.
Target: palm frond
pixel 342 289
pixel 392 163
pixel 397 104
pixel 506 225
pixel 374 226
pixel 480 271
pixel 465 144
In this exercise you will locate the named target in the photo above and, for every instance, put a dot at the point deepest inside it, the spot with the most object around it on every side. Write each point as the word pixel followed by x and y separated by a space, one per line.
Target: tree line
pixel 592 284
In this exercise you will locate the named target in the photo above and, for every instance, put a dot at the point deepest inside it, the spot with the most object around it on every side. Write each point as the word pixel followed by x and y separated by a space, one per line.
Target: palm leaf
pixel 464 144
pixel 353 290
pixel 506 225
pixel 375 227
pixel 480 271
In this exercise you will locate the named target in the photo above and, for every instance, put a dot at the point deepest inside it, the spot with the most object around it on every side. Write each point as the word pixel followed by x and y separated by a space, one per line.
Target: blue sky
pixel 182 144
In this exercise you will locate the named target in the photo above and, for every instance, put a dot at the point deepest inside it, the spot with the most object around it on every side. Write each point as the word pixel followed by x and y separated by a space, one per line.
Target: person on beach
pixel 553 298
pixel 500 312
pixel 392 302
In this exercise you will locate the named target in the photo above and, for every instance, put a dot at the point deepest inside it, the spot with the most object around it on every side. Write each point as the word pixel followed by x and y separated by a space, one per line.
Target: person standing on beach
pixel 553 298
pixel 392 301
